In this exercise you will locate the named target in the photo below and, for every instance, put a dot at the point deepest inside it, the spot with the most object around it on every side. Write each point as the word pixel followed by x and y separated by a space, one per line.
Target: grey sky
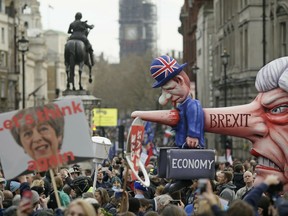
pixel 104 15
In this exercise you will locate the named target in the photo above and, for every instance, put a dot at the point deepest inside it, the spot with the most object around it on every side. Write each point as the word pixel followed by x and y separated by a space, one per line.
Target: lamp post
pixel 225 56
pixel 23 46
pixel 194 71
pixel 90 102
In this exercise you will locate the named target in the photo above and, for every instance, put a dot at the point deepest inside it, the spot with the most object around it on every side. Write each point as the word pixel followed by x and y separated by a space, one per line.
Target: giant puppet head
pixel 264 121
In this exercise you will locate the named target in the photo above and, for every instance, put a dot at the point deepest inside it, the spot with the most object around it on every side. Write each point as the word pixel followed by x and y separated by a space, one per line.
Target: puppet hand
pixel 192 142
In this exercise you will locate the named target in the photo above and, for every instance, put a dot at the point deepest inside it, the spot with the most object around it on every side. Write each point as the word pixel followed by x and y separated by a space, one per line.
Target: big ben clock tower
pixel 137 33
pixel 131 32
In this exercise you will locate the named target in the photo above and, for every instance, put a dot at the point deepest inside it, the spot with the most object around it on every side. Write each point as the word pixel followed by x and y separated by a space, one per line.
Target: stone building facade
pixel 21 18
pixel 251 32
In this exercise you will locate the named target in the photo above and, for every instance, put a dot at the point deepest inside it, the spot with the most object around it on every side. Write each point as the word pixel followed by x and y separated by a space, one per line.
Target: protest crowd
pixel 231 193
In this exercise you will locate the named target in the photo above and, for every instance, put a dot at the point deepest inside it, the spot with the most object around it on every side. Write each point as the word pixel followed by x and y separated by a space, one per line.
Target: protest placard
pixel 134 148
pixel 43 137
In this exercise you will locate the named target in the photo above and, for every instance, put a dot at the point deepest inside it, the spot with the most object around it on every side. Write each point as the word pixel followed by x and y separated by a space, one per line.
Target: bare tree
pixel 126 86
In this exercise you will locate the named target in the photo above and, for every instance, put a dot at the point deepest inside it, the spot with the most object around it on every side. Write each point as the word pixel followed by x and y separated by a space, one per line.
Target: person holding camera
pixel 65 176
pixel 208 202
pixel 100 182
pixel 237 207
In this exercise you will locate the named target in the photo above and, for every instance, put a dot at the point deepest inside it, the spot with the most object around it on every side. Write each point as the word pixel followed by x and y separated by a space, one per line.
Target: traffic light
pixel 228 143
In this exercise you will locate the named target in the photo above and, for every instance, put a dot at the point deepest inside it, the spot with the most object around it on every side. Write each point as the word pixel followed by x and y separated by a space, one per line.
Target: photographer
pixel 100 178
pixel 215 206
pixel 115 169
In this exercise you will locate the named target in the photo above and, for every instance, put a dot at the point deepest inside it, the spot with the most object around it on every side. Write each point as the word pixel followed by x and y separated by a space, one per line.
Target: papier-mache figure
pixel 263 122
pixel 175 85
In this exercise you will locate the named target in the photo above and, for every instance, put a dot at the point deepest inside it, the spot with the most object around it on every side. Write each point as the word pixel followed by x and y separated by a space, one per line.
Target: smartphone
pixel 175 202
pixel 27 200
pixel 202 185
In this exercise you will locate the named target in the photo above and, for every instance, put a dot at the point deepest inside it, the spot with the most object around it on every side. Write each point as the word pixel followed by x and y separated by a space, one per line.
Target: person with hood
pixel 238 180
pixel 226 187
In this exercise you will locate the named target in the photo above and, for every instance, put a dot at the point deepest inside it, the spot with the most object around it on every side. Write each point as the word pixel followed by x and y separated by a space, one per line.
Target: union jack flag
pixel 166 65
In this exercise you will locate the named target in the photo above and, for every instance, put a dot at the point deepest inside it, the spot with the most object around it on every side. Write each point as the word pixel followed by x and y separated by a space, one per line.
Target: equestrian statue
pixel 78 50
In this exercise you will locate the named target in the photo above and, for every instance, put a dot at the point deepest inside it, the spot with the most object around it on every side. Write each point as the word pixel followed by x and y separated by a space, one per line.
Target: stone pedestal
pixel 75 93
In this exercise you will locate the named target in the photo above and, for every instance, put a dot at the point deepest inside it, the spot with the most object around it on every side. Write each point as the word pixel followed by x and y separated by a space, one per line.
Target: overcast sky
pixel 104 14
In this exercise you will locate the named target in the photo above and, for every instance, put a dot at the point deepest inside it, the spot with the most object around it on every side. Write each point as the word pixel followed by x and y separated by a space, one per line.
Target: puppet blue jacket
pixel 191 122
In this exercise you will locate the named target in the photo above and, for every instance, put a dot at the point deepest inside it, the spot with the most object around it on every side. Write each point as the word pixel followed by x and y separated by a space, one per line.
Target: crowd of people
pixel 232 192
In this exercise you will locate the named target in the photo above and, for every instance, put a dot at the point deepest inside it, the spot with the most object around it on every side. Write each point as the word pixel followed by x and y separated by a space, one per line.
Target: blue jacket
pixel 254 196
pixel 191 122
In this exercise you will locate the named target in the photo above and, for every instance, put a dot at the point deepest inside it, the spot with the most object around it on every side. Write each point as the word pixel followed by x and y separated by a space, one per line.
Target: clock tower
pixel 138 32
pixel 131 32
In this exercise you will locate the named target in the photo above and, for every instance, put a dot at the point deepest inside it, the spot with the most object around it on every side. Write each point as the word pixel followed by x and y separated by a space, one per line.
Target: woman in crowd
pixel 80 207
pixel 103 199
pixel 173 210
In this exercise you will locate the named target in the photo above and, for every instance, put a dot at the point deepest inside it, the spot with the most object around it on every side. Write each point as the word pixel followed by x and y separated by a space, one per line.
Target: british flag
pixel 164 68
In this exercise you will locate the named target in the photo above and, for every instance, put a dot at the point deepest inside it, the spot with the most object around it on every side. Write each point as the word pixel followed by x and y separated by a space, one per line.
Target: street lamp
pixel 225 56
pixel 90 102
pixel 23 46
pixel 194 71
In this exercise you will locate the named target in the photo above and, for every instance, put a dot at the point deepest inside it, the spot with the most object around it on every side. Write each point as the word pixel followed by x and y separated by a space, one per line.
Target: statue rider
pixel 79 30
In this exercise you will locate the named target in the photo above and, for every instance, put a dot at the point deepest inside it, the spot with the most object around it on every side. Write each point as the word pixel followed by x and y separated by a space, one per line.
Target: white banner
pixel 39 138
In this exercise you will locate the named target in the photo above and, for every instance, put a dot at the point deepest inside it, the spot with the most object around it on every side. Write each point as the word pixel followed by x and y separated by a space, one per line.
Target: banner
pixel 43 137
pixel 105 117
pixel 133 151
pixel 137 135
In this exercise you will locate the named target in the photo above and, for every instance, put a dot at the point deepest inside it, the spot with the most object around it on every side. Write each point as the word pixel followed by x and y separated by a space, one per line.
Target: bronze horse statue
pixel 75 53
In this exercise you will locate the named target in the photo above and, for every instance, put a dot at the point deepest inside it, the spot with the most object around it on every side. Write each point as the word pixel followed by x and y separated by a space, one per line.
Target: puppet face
pixel 175 91
pixel 271 149
pixel 265 123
